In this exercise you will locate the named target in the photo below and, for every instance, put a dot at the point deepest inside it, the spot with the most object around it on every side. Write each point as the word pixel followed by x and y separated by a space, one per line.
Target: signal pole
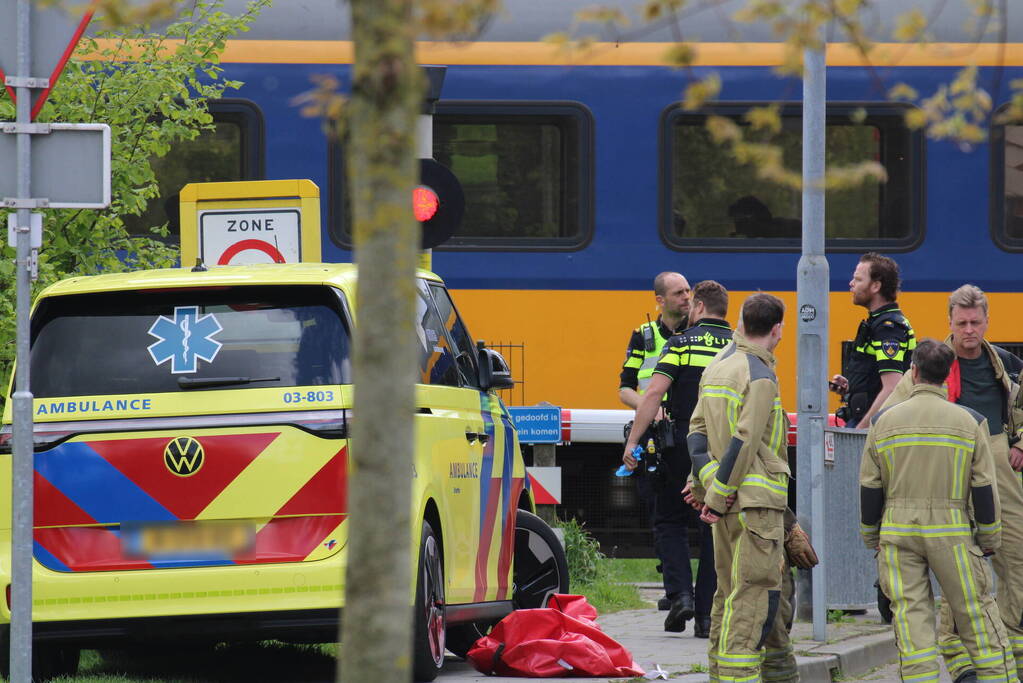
pixel 812 287
pixel 21 461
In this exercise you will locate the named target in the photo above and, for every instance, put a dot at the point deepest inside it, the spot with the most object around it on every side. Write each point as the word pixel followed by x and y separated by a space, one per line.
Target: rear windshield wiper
pixel 200 382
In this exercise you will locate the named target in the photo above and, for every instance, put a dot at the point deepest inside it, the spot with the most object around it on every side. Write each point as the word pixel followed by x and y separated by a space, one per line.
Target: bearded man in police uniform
pixel 883 348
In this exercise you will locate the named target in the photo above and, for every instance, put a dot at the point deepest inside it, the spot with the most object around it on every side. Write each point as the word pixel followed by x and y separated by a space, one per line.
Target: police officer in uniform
pixel 925 460
pixel 671 291
pixel 677 374
pixel 884 343
pixel 984 377
pixel 740 472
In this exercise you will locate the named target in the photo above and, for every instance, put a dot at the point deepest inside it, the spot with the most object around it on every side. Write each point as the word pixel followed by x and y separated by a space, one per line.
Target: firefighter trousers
pixel 779 663
pixel 749 559
pixel 1007 563
pixel 964 577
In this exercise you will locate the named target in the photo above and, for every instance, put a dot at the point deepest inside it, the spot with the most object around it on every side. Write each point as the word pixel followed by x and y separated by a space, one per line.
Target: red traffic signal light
pixel 438 202
pixel 425 203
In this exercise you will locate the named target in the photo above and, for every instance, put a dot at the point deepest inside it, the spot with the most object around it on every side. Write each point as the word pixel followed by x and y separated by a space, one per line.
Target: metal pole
pixel 424 150
pixel 812 293
pixel 21 467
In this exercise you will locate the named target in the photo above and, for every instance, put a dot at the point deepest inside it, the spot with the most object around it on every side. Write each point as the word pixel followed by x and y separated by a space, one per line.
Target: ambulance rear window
pixel 189 340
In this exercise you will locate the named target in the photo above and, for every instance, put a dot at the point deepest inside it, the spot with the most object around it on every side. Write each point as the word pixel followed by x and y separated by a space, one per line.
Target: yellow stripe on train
pixel 554 324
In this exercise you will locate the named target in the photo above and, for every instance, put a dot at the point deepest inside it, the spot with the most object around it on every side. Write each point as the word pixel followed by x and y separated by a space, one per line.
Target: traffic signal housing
pixel 438 202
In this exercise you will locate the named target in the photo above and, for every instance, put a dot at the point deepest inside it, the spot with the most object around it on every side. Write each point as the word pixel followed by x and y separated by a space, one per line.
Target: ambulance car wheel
pixel 53 661
pixel 428 638
pixel 541 568
pixel 48 659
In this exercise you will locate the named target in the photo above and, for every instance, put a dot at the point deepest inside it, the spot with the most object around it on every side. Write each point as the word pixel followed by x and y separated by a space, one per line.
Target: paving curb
pixel 872 651
pixel 850 657
pixel 814 669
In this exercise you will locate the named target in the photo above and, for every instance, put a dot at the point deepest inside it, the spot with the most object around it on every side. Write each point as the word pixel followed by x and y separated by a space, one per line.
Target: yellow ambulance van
pixel 191 435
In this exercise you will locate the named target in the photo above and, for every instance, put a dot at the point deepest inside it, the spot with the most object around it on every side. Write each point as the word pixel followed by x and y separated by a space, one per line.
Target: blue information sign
pixel 537 424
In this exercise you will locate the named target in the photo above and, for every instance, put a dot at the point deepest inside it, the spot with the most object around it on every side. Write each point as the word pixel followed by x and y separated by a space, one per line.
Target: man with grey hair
pixel 984 377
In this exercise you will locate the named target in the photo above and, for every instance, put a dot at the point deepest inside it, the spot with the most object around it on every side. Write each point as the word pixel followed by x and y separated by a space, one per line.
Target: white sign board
pixel 70 165
pixel 247 236
pixel 545 483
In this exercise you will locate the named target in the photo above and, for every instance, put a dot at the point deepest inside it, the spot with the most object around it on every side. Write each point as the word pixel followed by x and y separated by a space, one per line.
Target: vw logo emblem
pixel 183 456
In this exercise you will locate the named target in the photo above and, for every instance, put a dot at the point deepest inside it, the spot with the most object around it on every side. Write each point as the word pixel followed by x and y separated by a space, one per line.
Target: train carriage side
pixel 576 167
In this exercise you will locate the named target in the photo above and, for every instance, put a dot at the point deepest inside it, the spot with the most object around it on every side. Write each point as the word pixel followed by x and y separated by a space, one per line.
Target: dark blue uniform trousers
pixel 671 517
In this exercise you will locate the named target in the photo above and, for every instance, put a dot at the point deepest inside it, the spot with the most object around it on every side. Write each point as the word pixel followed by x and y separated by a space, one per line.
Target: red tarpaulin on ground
pixel 561 640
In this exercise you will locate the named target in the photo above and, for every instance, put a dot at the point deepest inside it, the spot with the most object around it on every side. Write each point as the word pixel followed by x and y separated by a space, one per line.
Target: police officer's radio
pixel 649 343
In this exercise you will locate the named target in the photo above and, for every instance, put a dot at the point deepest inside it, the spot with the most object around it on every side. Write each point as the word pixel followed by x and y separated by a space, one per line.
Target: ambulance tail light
pixel 42 439
pixel 334 426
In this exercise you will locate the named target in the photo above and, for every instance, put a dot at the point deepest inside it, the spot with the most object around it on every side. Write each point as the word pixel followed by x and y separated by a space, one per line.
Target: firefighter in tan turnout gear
pixel 984 377
pixel 924 461
pixel 740 466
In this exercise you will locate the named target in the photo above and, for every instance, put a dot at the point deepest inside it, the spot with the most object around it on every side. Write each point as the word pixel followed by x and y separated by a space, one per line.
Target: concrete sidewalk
pixel 855 646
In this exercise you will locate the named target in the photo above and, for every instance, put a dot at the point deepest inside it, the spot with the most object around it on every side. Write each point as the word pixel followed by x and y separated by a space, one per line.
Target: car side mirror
pixel 494 371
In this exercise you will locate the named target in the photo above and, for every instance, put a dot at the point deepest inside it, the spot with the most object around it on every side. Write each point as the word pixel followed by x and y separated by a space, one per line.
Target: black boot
pixel 701 627
pixel 664 604
pixel 682 610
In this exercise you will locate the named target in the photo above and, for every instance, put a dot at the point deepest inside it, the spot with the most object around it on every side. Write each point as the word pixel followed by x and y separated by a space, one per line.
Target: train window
pixel 1007 186
pixel 711 201
pixel 232 150
pixel 525 167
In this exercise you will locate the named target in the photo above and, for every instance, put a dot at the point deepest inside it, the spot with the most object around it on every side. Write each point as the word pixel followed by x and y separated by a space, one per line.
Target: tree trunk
pixel 376 631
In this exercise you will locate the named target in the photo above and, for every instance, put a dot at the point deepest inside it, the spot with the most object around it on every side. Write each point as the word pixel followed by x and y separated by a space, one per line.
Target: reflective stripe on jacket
pixel 923 461
pixel 1013 410
pixel 639 362
pixel 737 431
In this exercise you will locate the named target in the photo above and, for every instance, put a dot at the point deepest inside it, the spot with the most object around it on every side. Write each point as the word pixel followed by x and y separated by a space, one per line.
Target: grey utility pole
pixel 812 289
pixel 72 162
pixel 22 466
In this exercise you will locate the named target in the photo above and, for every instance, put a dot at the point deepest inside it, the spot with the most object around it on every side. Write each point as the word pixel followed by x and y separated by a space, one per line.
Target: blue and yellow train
pixel 584 176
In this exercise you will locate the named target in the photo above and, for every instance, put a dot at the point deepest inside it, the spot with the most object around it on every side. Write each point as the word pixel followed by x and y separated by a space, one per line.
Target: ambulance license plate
pixel 184 538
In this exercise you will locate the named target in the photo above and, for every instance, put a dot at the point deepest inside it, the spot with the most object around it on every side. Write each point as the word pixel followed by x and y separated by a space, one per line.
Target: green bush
pixel 583 553
pixel 594 575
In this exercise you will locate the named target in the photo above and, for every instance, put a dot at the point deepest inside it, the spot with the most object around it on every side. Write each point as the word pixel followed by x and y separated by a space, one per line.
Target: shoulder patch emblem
pixel 890 347
pixel 887 323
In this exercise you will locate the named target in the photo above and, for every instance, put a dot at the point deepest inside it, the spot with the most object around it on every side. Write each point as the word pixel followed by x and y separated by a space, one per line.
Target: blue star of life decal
pixel 185 339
